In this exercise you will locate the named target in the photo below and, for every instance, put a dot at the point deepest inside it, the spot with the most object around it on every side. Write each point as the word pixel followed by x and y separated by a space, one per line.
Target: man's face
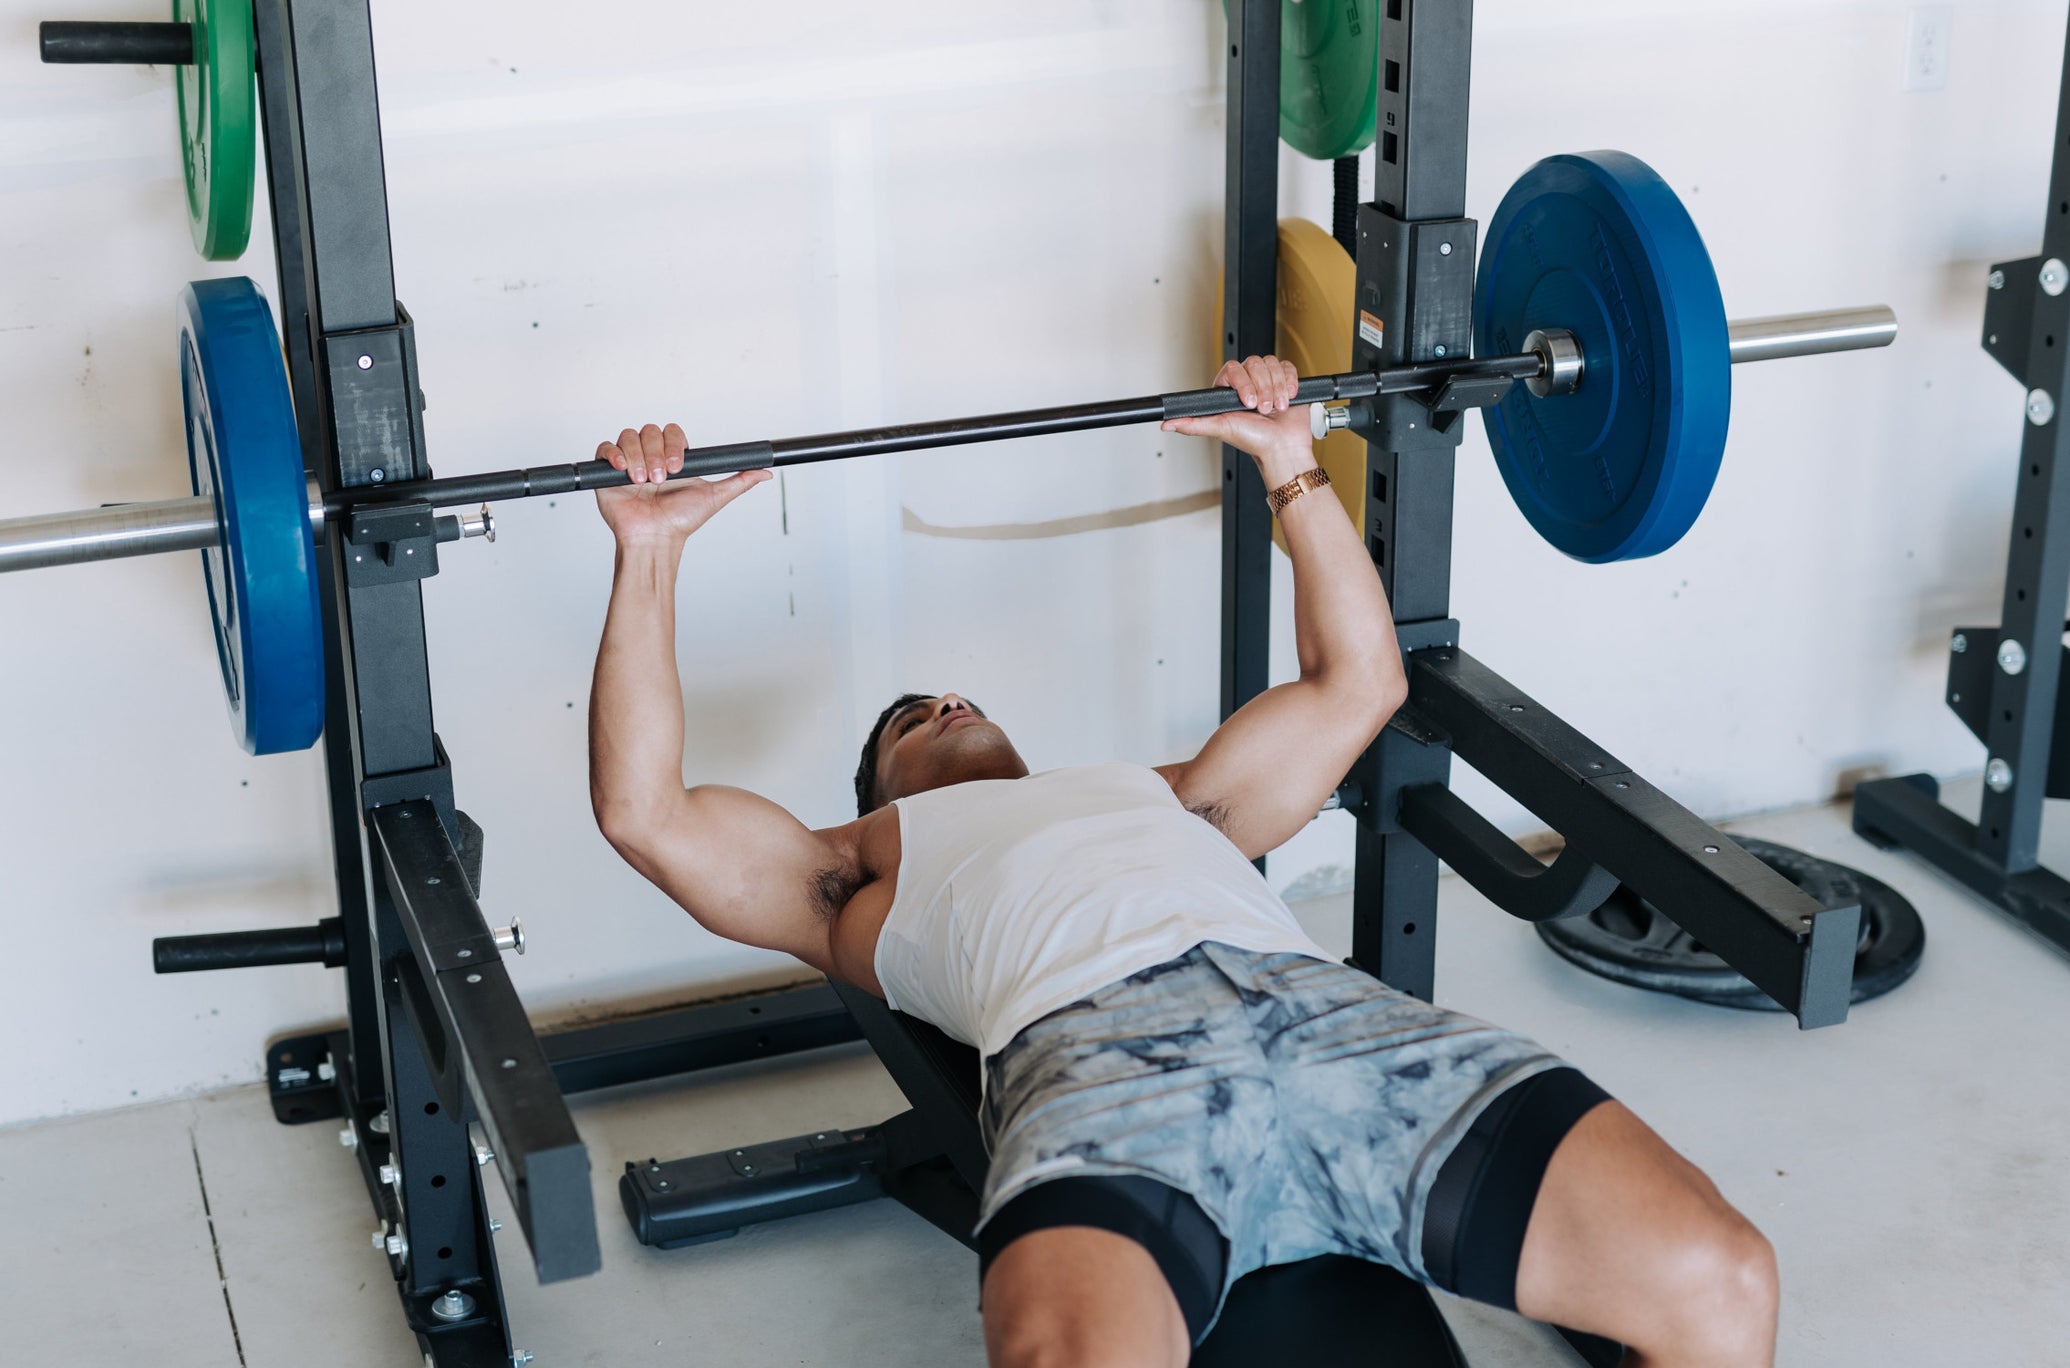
pixel 934 742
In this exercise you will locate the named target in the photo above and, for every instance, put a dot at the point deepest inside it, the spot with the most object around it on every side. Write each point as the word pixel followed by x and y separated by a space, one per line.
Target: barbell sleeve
pixel 1811 334
pixel 90 534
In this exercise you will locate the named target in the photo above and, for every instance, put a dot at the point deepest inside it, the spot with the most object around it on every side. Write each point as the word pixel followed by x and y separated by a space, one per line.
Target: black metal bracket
pixel 2009 313
pixel 377 406
pixel 389 543
pixel 1799 953
pixel 475 1034
pixel 1461 393
pixel 1504 872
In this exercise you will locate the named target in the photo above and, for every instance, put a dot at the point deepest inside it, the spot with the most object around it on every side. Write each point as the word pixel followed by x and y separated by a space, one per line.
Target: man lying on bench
pixel 1180 1085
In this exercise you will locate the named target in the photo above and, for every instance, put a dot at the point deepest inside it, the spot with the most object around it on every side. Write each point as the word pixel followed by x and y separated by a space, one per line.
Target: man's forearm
pixel 1342 623
pixel 636 699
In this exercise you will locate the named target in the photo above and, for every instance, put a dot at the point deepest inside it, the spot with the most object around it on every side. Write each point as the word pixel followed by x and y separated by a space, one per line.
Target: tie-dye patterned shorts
pixel 1306 1106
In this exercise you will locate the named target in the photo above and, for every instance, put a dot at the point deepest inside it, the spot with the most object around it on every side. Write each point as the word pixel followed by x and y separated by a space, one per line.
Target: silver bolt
pixel 474 978
pixel 464 954
pixel 454 1305
pixel 1998 776
pixel 1996 280
pixel 2054 276
pixel 379 1125
pixel 2040 408
pixel 397 1245
pixel 2012 657
pixel 1444 249
pixel 390 1175
pixel 1440 349
pixel 519 1358
pixel 349 1138
pixel 511 937
pixel 494 1225
pixel 482 1155
pixel 1710 850
pixel 327 1071
pixel 381 1238
pixel 1959 644
pixel 366 363
pixel 378 475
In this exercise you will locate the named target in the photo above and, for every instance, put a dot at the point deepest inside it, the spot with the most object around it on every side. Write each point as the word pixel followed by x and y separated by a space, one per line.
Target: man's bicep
pixel 745 868
pixel 1270 767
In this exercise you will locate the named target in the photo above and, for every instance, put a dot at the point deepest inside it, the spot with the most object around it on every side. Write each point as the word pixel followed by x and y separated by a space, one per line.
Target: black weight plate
pixel 1629 941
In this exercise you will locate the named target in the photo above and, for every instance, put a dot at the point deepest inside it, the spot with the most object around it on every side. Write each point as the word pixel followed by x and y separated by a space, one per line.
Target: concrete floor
pixel 1912 1168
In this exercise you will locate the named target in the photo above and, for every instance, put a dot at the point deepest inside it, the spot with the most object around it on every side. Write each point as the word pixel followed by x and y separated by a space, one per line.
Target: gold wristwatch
pixel 1296 487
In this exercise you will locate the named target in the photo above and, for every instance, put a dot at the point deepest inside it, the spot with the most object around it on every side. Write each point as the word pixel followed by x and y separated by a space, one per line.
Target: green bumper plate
pixel 218 125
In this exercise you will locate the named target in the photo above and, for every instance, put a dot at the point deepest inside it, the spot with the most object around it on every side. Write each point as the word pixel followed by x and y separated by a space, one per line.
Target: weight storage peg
pixel 209 47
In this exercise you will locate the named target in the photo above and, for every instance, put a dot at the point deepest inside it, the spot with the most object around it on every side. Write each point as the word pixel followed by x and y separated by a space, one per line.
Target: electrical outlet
pixel 1926 50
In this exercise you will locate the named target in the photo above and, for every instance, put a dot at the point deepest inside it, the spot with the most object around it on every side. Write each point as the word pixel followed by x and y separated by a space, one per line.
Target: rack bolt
pixel 1959 644
pixel 2054 276
pixel 2012 657
pixel 1996 280
pixel 454 1305
pixel 349 1138
pixel 2040 408
pixel 1998 776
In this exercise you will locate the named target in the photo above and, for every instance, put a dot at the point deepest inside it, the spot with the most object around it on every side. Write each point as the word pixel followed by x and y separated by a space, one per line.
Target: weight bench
pixel 1324 1311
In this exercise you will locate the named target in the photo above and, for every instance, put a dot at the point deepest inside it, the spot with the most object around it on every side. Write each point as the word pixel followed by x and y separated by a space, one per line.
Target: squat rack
pixel 437 1072
pixel 2006 682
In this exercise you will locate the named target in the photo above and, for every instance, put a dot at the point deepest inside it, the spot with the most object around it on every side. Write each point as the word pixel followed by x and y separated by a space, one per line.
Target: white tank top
pixel 1018 896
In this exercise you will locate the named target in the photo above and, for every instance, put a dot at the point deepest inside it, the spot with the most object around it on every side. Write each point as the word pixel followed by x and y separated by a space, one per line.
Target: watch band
pixel 1296 487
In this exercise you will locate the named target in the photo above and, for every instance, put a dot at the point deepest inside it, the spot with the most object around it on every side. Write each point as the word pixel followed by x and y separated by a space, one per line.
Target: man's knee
pixel 1723 1290
pixel 1047 1336
pixel 1082 1297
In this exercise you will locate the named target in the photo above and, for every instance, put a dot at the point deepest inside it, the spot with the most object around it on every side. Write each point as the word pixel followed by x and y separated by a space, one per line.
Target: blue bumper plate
pixel 1597 243
pixel 243 452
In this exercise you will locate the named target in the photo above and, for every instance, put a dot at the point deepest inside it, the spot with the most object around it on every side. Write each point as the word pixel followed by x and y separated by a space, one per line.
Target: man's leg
pixel 1080 1296
pixel 1630 1240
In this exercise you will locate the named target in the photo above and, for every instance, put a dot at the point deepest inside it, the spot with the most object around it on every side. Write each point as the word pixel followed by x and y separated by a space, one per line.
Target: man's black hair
pixel 867 798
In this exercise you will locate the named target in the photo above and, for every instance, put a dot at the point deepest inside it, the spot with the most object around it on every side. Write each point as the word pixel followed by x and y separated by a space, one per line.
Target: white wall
pixel 766 220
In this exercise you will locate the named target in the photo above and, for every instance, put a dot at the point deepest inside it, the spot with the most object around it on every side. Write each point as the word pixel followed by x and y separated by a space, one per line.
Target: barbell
pixel 1606 414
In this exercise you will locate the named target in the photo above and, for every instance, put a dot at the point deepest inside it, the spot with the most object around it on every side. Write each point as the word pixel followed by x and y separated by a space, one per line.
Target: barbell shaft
pixel 190 524
pixel 1754 339
pixel 90 534
pixel 1809 334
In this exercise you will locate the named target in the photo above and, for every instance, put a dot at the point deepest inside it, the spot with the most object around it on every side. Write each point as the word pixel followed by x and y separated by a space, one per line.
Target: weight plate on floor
pixel 1628 940
pixel 218 125
pixel 1597 243
pixel 242 451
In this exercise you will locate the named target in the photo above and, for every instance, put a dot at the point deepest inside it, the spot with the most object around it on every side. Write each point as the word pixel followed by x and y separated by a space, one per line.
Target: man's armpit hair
pixel 831 888
pixel 1215 815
